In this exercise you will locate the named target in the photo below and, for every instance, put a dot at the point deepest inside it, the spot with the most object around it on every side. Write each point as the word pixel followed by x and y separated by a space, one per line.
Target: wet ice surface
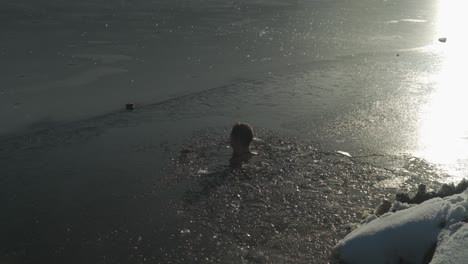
pixel 327 69
pixel 290 204
pixel 101 170
pixel 149 51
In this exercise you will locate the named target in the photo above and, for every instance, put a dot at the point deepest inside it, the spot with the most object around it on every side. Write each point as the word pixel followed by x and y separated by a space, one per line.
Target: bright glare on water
pixel 443 134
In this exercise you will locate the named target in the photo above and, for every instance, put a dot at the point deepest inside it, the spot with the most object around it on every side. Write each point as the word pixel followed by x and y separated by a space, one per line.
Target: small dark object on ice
pixel 443 40
pixel 402 198
pixel 185 151
pixel 398 54
pixel 462 186
pixel 383 208
pixel 422 195
pixel 130 107
pixel 451 189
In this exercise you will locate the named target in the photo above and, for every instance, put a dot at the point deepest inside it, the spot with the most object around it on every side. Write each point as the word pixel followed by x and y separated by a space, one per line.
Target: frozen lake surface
pixel 91 57
pixel 81 179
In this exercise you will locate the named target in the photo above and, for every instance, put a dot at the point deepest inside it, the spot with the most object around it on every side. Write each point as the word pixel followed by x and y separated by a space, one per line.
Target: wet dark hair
pixel 243 133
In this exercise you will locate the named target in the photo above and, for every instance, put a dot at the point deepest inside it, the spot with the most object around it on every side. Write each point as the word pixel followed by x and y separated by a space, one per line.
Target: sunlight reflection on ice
pixel 444 127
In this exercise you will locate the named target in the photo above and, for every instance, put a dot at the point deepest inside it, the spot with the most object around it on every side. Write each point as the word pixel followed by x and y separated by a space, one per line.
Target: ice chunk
pixel 344 153
pixel 185 231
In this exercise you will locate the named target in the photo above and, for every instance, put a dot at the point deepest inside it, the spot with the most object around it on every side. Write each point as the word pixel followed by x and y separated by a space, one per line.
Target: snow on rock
pixel 409 235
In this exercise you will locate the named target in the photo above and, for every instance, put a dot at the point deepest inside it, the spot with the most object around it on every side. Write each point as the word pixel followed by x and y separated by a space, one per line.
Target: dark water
pixel 82 181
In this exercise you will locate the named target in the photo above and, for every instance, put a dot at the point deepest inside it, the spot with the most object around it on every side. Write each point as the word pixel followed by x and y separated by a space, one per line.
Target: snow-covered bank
pixel 411 235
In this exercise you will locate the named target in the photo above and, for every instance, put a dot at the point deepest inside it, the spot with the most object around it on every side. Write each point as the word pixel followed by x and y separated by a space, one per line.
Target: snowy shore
pixel 435 231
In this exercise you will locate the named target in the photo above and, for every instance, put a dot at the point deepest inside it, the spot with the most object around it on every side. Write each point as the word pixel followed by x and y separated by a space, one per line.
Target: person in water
pixel 240 139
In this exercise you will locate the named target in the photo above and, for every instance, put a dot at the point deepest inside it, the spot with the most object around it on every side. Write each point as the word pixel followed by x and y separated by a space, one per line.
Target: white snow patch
pixel 406 236
pixel 453 246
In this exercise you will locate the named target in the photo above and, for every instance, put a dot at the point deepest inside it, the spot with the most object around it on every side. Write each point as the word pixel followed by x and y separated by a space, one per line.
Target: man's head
pixel 241 137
